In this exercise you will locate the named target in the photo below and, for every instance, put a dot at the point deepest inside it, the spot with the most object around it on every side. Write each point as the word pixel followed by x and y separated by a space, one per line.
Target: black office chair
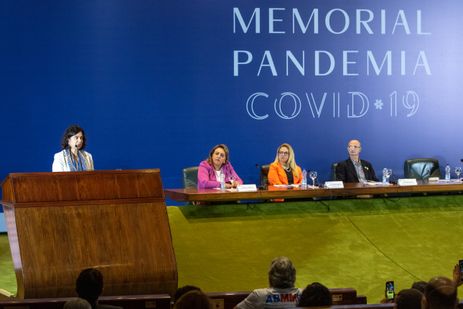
pixel 264 175
pixel 421 168
pixel 190 177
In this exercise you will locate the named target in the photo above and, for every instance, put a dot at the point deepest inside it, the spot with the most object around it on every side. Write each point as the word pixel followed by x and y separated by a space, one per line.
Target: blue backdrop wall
pixel 158 83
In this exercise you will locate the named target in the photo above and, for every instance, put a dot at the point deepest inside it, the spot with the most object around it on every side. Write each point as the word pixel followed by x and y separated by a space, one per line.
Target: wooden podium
pixel 115 221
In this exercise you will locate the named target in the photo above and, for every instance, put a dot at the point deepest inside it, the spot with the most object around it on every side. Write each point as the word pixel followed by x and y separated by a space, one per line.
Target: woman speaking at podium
pixel 73 157
pixel 216 169
pixel 284 171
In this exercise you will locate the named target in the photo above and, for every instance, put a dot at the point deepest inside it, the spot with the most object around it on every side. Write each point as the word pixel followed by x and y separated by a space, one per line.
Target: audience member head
pixel 282 273
pixel 78 303
pixel 183 290
pixel 354 148
pixel 194 299
pixel 440 293
pixel 315 295
pixel 71 132
pixel 89 285
pixel 419 285
pixel 285 156
pixel 218 155
pixel 409 299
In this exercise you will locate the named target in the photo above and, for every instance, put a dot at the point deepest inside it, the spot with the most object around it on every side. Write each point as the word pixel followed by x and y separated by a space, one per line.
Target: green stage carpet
pixel 7 277
pixel 359 243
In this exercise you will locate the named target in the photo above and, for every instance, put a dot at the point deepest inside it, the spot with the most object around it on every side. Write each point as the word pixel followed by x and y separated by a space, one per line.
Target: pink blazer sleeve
pixel 204 181
pixel 231 174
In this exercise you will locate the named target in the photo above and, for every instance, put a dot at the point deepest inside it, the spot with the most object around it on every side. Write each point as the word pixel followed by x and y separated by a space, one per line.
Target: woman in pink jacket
pixel 216 168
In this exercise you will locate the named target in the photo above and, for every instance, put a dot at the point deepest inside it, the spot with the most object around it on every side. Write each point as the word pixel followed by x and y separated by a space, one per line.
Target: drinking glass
pixel 458 171
pixel 313 175
pixel 388 174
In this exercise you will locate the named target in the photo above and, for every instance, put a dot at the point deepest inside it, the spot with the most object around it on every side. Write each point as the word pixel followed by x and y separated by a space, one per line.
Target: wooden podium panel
pixel 115 221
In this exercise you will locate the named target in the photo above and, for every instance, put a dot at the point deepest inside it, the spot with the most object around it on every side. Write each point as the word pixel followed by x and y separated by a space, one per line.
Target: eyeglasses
pixel 222 155
pixel 283 153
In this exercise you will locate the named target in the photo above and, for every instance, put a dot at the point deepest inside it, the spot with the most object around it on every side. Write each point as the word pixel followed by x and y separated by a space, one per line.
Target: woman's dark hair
pixel 409 299
pixel 89 285
pixel 70 132
pixel 315 295
pixel 183 290
pixel 419 285
pixel 193 300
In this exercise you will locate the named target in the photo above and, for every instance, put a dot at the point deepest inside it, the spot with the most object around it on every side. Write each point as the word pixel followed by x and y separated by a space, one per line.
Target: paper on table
pixel 377 183
pixel 287 186
pixel 443 181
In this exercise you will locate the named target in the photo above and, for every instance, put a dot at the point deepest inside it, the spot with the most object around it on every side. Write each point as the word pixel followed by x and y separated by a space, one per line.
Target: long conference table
pixel 349 190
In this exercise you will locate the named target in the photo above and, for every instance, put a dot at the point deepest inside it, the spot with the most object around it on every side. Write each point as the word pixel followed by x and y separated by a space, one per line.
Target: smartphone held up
pixel 389 290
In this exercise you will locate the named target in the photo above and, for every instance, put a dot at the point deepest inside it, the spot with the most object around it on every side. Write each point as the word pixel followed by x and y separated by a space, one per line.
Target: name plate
pixel 433 179
pixel 407 182
pixel 334 184
pixel 247 188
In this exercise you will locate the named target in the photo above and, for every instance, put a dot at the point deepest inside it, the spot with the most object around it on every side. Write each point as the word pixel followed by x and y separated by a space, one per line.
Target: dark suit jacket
pixel 345 171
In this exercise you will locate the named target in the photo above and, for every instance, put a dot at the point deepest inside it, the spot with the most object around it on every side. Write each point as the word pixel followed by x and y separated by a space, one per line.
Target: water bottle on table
pixel 222 182
pixel 447 172
pixel 304 179
pixel 384 175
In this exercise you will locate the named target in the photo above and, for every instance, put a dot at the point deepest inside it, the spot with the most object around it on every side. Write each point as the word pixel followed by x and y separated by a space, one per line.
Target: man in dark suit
pixel 354 169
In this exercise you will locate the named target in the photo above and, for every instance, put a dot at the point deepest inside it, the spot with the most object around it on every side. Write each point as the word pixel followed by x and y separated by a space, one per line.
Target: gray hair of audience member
pixel 419 285
pixel 78 303
pixel 315 295
pixel 193 300
pixel 440 293
pixel 282 273
pixel 409 299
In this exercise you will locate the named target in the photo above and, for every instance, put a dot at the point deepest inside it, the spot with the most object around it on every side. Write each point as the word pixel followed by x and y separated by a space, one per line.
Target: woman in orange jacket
pixel 284 171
